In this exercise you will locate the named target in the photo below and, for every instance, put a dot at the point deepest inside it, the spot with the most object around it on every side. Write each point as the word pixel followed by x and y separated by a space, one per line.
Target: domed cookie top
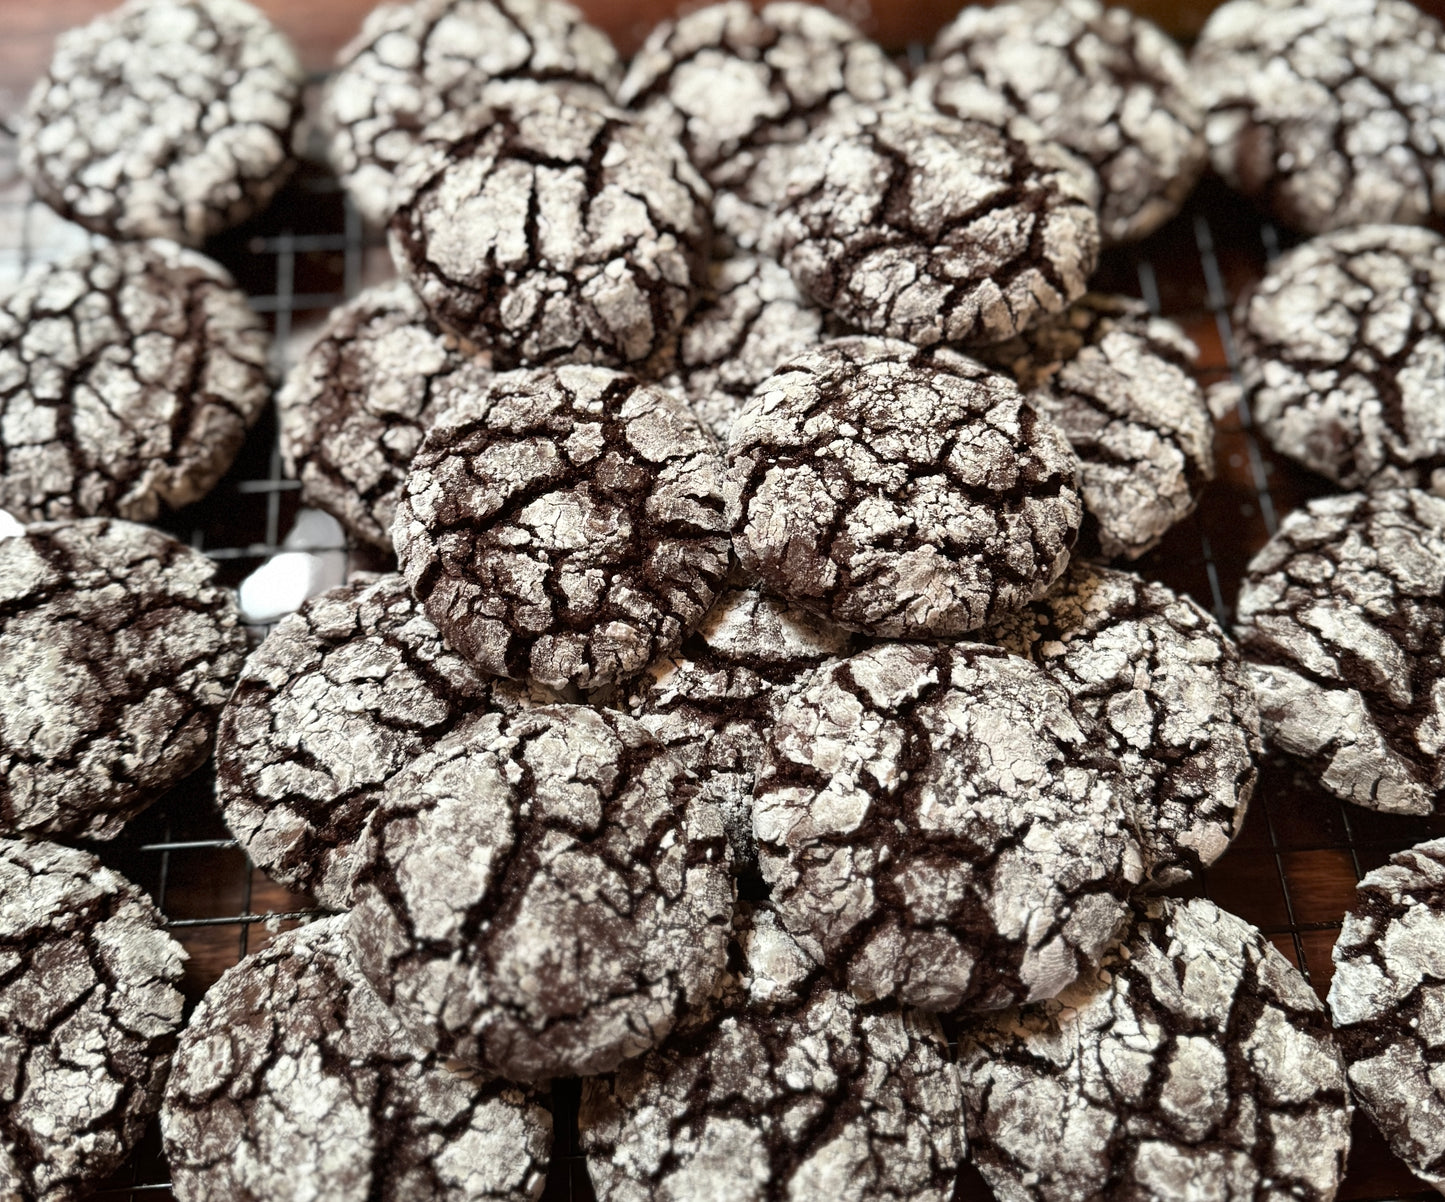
pixel 550 229
pixel 567 527
pixel 790 1088
pixel 1342 619
pixel 88 1019
pixel 935 828
pixel 912 224
pixel 1327 113
pixel 128 378
pixel 117 651
pixel 1342 356
pixel 542 894
pixel 1195 1058
pixel 899 492
pixel 293 1083
pixel 411 63
pixel 164 119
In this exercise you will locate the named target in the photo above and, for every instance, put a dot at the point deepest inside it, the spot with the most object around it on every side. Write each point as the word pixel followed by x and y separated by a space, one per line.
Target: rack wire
pixel 1292 871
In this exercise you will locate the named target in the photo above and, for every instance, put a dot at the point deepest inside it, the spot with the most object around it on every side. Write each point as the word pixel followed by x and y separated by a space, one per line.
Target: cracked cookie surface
pixel 354 409
pixel 1325 113
pixel 552 230
pixel 1102 82
pixel 1388 1004
pixel 1162 688
pixel 129 376
pixel 1341 618
pixel 899 492
pixel 1195 1061
pixel 117 651
pixel 164 119
pixel 340 697
pixel 933 827
pixel 1342 356
pixel 1119 384
pixel 542 894
pixel 88 1019
pixel 293 1083
pixel 910 223
pixel 566 528
pixel 787 1088
pixel 412 63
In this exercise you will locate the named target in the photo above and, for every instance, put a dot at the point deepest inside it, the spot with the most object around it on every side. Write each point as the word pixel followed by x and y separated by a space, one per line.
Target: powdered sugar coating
pixel 129 375
pixel 164 119
pixel 117 651
pixel 899 492
pixel 88 1019
pixel 1196 1061
pixel 1342 617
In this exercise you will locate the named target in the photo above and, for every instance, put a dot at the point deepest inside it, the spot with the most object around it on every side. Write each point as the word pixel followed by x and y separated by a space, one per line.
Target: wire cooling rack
pixel 1292 871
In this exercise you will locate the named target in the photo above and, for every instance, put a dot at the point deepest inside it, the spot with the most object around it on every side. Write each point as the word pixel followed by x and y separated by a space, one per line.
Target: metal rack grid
pixel 1291 872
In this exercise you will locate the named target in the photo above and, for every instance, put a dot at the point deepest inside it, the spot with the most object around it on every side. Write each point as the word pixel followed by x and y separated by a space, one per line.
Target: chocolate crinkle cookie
pixel 117 651
pixel 340 697
pixel 412 63
pixel 552 229
pixel 1327 112
pixel 1387 1001
pixel 899 492
pixel 1195 1062
pixel 1342 619
pixel 1156 683
pixel 712 701
pixel 542 894
pixel 88 1019
pixel 1102 82
pixel 164 119
pixel 789 1088
pixel 934 826
pixel 294 1083
pixel 567 527
pixel 129 376
pixel 354 409
pixel 739 89
pixel 1119 384
pixel 916 225
pixel 1342 356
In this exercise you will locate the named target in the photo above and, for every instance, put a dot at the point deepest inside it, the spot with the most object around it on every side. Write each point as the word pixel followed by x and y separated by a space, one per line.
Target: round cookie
pixel 1162 689
pixel 739 89
pixel 788 1088
pixel 411 63
pixel 1195 1062
pixel 341 696
pixel 164 119
pixel 1108 85
pixel 88 1019
pixel 542 894
pixel 354 409
pixel 117 651
pixel 551 230
pixel 1119 384
pixel 899 492
pixel 129 376
pixel 1387 1003
pixel 1327 114
pixel 293 1083
pixel 934 826
pixel 908 223
pixel 567 528
pixel 712 701
pixel 1342 356
pixel 1341 617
